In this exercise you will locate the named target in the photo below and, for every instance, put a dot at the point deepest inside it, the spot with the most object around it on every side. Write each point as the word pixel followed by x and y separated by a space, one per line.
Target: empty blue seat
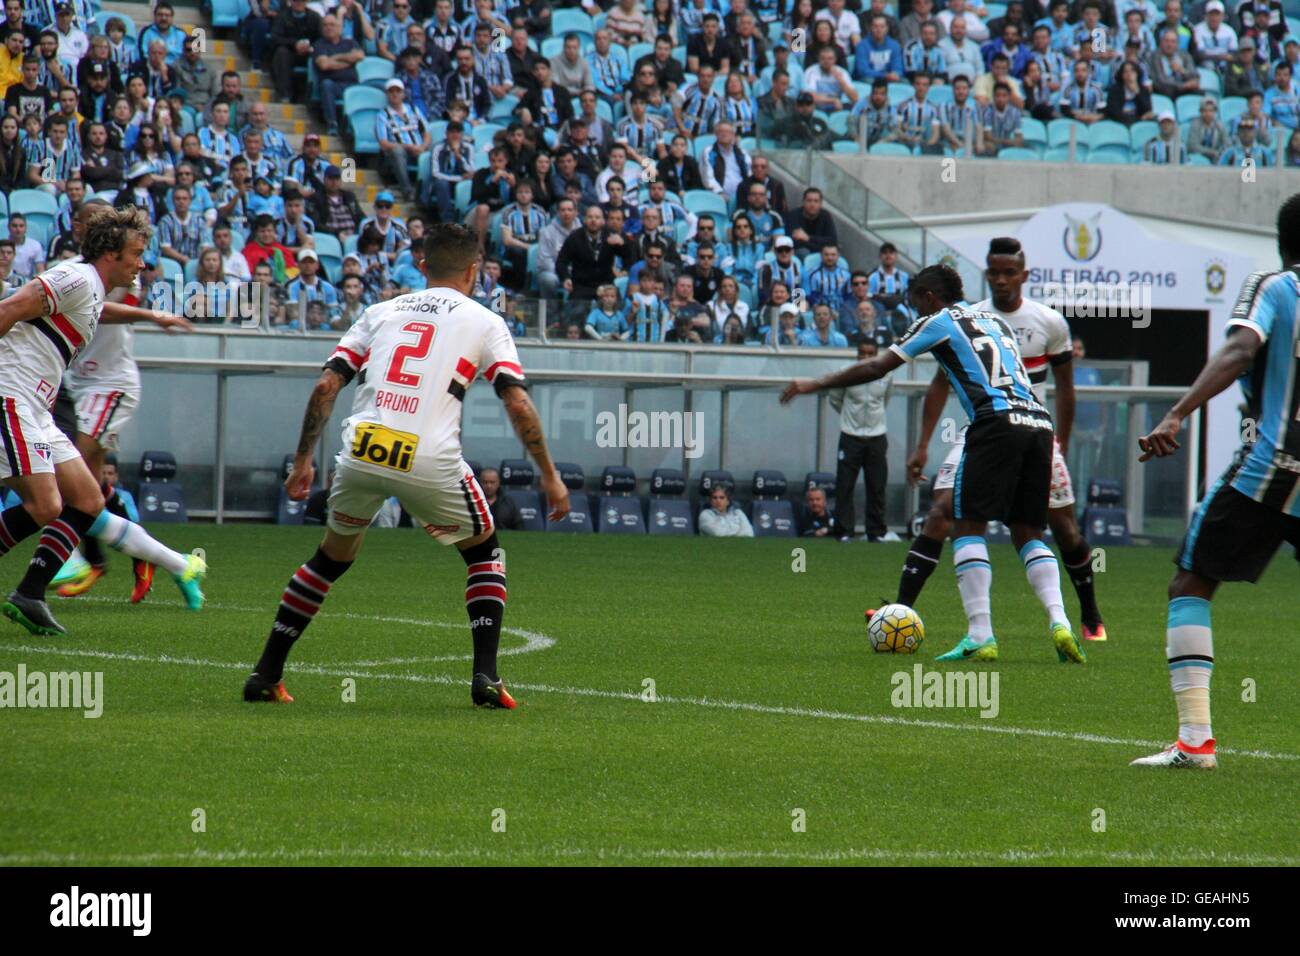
pixel 579 518
pixel 667 511
pixel 620 509
pixel 772 514
pixel 159 495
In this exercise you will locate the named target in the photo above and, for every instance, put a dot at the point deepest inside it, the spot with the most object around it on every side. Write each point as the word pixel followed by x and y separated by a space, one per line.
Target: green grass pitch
pixel 769 702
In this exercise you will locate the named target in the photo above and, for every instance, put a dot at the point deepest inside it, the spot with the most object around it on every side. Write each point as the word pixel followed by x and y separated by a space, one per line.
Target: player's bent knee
pixel 1190 584
pixel 341 547
pixel 44 508
pixel 482 547
pixel 1065 529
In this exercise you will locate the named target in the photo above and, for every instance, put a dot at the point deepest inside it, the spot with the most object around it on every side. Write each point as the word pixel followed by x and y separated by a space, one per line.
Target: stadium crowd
pixel 608 153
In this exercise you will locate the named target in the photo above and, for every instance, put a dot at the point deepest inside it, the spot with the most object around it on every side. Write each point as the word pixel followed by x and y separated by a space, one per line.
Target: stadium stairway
pixel 295 120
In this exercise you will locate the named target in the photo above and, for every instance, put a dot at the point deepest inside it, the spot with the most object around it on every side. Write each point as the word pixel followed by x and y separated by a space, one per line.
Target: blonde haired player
pixel 413 357
pixel 43 327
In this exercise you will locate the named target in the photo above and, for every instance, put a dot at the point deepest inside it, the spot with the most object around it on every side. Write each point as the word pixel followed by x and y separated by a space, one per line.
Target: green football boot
pixel 968 650
pixel 1068 647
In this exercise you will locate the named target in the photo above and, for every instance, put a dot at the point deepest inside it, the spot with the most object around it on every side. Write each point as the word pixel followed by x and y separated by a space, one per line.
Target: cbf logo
pixel 1082 238
pixel 1216 277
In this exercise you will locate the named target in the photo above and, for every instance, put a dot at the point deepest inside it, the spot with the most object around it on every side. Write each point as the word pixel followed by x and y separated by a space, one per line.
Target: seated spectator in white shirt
pixel 722 519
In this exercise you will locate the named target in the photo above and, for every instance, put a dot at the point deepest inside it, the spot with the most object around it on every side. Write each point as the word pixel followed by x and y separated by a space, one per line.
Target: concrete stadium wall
pixel 1194 194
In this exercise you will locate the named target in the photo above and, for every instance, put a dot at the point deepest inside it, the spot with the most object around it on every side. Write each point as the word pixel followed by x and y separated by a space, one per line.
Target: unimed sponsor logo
pixel 75 909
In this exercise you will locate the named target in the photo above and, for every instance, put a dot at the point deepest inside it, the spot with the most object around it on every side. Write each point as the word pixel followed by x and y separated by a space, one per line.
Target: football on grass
pixel 895 629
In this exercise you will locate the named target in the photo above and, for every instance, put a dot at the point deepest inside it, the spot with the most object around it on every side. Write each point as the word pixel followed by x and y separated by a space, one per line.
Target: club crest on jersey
pixel 42 450
pixel 1082 238
pixel 386 447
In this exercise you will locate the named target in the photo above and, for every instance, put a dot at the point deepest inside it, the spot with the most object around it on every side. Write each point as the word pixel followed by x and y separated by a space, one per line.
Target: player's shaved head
pixel 451 250
pixel 1288 231
pixel 1006 246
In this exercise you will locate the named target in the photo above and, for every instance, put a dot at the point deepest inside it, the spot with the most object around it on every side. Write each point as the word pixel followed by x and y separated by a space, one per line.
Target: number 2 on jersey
pixel 411 352
pixel 987 346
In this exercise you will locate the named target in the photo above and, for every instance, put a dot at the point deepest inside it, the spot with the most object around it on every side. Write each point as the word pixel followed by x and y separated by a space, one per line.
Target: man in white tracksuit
pixel 863 445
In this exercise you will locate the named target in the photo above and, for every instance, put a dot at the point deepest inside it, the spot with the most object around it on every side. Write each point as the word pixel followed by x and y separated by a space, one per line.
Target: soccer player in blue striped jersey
pixel 1255 505
pixel 1005 472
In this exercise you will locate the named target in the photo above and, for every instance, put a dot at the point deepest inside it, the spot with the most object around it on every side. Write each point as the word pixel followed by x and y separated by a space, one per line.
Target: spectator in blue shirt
pixel 606 320
pixel 162 28
pixel 878 54
pixel 828 283
pixel 823 334
pixel 1280 101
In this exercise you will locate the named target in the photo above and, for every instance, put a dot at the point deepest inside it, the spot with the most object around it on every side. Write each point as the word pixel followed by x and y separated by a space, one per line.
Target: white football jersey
pixel 34 355
pixel 107 363
pixel 416 355
pixel 1041 333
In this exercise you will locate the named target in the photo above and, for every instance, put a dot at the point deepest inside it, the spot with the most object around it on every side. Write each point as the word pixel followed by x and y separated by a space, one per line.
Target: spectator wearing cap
pixel 1247 149
pixel 182 232
pixel 307 169
pixel 1215 41
pixel 195 77
pixel 1242 74
pixel 310 286
pixel 1280 100
pixel 137 192
pixel 336 209
pixel 102 168
pixel 1172 71
pixel 1167 148
pixel 96 99
pixel 784 269
pixel 73 42
pixel 392 232
pixel 402 136
pixel 295 31
pixel 788 333
pixel 802 127
pixel 1207 136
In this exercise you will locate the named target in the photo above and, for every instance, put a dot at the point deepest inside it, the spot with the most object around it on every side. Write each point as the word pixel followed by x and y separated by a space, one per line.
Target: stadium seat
pixel 517 485
pixel 1188 107
pixel 701 144
pixel 40 208
pixel 579 517
pixel 1035 133
pixel 1058 133
pixel 620 509
pixel 1105 520
pixel 171 269
pixel 1061 154
pixel 572 21
pixel 1107 136
pixel 503 109
pixel 772 514
pixel 1161 103
pixel 1230 107
pixel 463 190
pixel 1198 159
pixel 898 92
pixel 852 146
pixel 839 122
pixel 226 14
pixel 667 512
pixel 330 251
pixel 159 495
pixel 288 511
pixel 1017 152
pixel 1211 83
pixel 889 149
pixel 374 68
pixel 1108 158
pixel 1141 133
pixel 939 95
pixel 552 46
pixel 700 201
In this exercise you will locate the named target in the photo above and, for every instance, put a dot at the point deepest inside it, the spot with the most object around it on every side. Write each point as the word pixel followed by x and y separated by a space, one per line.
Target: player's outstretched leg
pixel 1189 647
pixel 923 557
pixel 128 537
pixel 970 559
pixel 1045 578
pixel 302 598
pixel 485 602
pixel 1076 555
pixel 80 573
pixel 26 605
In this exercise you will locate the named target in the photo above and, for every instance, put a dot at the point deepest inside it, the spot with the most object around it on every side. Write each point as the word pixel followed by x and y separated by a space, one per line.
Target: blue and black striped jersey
pixel 1269 468
pixel 978 352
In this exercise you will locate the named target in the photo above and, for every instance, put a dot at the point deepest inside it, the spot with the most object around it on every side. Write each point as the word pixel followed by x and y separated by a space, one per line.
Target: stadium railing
pixel 228 404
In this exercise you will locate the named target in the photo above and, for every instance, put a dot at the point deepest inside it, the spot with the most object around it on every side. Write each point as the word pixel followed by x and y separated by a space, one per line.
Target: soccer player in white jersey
pixel 414 357
pixel 1044 339
pixel 104 383
pixel 43 326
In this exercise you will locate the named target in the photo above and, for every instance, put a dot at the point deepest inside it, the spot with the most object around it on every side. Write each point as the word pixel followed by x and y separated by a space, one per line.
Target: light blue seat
pixel 571 21
pixel 899 92
pixel 1058 132
pixel 700 201
pixel 1198 159
pixel 1035 133
pixel 1141 133
pixel 1106 156
pixel 374 68
pixel 1211 83
pixel 552 46
pixel 171 269
pixel 702 143
pixel 889 149
pixel 40 208
pixel 1018 152
pixel 330 251
pixel 1160 103
pixel 939 95
pixel 502 109
pixel 848 146
pixel 226 14
pixel 839 123
pixel 1188 107
pixel 463 201
pixel 1230 107
pixel 635 51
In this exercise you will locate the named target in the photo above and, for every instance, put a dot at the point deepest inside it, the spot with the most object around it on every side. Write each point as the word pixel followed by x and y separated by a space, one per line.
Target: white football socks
pixel 1045 578
pixel 970 559
pixel 129 538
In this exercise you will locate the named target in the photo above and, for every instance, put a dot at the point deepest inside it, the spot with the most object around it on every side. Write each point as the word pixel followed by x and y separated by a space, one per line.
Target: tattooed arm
pixel 319 408
pixel 528 426
pixel 26 305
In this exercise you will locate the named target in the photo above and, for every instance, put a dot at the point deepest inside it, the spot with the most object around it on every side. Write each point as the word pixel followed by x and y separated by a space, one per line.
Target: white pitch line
pixel 770 709
pixel 626 854
pixel 533 641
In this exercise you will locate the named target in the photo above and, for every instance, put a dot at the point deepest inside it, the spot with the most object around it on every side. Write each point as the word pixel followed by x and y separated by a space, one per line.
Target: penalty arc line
pixel 707 702
pixel 533 641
